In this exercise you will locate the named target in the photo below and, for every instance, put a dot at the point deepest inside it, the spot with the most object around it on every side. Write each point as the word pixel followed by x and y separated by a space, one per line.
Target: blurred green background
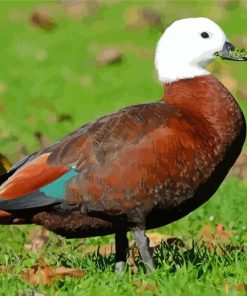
pixel 65 63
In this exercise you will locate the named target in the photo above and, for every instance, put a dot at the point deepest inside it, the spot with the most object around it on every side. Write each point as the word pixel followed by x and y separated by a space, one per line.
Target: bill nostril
pixel 229 46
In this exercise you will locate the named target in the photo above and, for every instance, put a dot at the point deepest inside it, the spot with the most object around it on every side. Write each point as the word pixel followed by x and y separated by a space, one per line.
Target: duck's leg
pixel 121 243
pixel 142 243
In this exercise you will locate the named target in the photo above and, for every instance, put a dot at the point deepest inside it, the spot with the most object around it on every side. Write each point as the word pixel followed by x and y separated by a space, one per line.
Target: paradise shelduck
pixel 144 166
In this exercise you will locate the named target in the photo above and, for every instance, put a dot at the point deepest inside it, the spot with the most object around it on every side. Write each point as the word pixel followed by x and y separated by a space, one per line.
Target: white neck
pixel 176 71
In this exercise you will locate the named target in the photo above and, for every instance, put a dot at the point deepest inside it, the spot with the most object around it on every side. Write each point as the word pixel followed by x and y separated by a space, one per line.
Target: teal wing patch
pixel 56 189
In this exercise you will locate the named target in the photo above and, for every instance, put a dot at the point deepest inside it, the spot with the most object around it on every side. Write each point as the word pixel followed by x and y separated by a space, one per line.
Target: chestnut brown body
pixel 146 165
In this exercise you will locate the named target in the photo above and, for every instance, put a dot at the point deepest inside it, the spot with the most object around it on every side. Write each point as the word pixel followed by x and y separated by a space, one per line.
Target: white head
pixel 186 47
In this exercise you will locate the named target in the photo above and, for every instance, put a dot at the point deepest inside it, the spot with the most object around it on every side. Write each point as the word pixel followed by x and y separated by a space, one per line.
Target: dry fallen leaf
pixel 64 117
pixel 80 8
pixel 103 249
pixel 43 140
pixel 38 236
pixel 241 287
pixel 242 92
pixel 138 18
pixel 155 238
pixel 5 268
pixel 5 164
pixel 41 272
pixel 221 233
pixel 41 18
pixel 213 237
pixel 230 287
pixel 240 167
pixel 142 286
pixel 152 17
pixel 229 4
pixel 109 55
pixel 229 81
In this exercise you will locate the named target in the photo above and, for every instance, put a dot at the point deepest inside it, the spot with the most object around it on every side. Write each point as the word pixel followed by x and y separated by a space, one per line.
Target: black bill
pixel 230 53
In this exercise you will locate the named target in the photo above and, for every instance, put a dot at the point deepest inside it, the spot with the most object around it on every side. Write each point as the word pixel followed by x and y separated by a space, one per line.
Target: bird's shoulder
pixel 112 132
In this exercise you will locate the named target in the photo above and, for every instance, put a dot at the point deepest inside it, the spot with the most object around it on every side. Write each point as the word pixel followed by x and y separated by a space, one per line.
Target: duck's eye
pixel 204 35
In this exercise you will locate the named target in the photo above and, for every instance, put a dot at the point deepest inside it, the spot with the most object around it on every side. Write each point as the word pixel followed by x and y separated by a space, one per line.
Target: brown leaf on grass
pixel 22 151
pixel 230 287
pixel 5 268
pixel 228 4
pixel 41 18
pixel 80 8
pixel 140 52
pixel 240 40
pixel 155 238
pixel 38 236
pixel 240 167
pixel 138 18
pixel 45 274
pixel 5 164
pixel 2 268
pixel 152 17
pixel 242 92
pixel 103 250
pixel 217 13
pixel 64 117
pixel 43 140
pixel 109 55
pixel 229 81
pixel 213 237
pixel 143 286
pixel 221 233
pixel 241 287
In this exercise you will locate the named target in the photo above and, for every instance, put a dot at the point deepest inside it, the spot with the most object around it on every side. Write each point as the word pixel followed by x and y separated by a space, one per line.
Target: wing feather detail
pixel 32 176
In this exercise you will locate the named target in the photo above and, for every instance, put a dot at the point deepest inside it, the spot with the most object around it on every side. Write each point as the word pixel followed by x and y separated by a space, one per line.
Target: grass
pixel 49 75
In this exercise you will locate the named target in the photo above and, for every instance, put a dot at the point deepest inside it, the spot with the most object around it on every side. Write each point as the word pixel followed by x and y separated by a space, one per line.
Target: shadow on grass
pixel 199 255
pixel 175 255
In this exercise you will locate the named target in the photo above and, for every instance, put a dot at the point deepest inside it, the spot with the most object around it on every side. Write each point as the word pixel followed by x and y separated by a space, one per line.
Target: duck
pixel 145 165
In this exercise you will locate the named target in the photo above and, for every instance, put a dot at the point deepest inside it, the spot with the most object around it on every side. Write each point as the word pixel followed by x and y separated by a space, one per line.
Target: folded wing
pixel 35 184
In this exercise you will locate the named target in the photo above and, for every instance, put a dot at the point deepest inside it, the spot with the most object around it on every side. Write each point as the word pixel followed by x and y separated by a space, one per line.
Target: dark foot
pixel 142 243
pixel 121 242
